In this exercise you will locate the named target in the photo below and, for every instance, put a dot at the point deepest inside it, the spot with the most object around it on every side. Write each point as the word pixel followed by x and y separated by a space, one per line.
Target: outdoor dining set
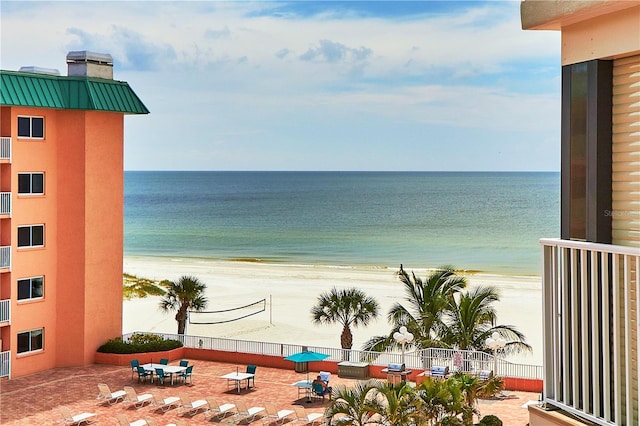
pixel 163 373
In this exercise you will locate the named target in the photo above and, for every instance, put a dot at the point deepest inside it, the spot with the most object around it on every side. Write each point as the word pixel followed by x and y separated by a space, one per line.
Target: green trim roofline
pixel 62 92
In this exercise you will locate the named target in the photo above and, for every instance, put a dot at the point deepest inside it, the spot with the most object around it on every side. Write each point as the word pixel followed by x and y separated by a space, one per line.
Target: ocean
pixel 488 222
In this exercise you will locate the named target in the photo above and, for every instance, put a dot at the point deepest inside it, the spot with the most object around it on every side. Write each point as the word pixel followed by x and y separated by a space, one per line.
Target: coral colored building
pixel 591 275
pixel 61 212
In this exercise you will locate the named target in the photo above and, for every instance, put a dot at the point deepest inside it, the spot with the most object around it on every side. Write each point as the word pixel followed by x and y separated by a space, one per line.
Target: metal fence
pixel 5 364
pixel 5 310
pixel 456 360
pixel 5 257
pixel 5 148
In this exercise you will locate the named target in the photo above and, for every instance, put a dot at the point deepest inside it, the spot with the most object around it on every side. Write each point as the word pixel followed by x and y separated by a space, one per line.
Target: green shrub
pixel 490 420
pixel 139 343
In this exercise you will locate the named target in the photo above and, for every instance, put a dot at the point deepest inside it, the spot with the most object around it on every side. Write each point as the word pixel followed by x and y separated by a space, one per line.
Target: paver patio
pixel 34 400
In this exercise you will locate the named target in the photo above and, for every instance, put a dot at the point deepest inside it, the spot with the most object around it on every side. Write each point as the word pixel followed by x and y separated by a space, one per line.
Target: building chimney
pixel 90 64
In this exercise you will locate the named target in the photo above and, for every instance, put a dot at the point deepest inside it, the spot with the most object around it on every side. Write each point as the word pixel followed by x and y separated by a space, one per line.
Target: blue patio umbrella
pixel 307 356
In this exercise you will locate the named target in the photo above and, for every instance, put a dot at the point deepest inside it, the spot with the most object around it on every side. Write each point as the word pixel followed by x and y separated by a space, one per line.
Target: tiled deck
pixel 33 400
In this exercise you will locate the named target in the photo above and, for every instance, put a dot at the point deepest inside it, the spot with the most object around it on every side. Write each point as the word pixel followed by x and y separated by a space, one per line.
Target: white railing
pixel 454 359
pixel 5 148
pixel 5 257
pixel 591 306
pixel 5 364
pixel 5 203
pixel 5 310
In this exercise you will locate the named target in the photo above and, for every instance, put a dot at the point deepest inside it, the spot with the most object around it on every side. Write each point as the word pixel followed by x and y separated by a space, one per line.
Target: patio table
pixel 171 370
pixel 304 388
pixel 238 378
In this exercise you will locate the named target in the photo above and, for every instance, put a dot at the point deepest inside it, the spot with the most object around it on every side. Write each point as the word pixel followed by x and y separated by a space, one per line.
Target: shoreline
pixel 291 290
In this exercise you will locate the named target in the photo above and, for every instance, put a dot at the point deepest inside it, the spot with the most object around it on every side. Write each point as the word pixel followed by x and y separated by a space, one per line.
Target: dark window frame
pixel 38 237
pixel 31 341
pixel 32 283
pixel 30 184
pixel 30 127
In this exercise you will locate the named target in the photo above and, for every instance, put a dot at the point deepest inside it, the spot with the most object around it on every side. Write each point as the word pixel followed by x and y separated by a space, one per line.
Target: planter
pixel 142 357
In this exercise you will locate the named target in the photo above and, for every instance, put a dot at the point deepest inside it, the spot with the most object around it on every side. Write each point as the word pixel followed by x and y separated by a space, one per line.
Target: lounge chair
pixel 274 415
pixel 124 421
pixel 248 414
pixel 192 407
pixel 136 400
pixel 106 396
pixel 165 404
pixel 78 419
pixel 304 418
pixel 216 410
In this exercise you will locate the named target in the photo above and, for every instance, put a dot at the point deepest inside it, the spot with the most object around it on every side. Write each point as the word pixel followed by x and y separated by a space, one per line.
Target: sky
pixel 309 85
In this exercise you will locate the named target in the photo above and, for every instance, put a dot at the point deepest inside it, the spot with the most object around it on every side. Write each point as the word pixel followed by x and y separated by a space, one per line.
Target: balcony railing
pixel 5 364
pixel 454 359
pixel 5 257
pixel 5 148
pixel 5 310
pixel 591 304
pixel 5 203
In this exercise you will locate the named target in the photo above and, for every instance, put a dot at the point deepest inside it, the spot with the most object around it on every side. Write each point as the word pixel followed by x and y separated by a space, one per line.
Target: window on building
pixel 31 183
pixel 31 127
pixel 31 341
pixel 31 236
pixel 31 288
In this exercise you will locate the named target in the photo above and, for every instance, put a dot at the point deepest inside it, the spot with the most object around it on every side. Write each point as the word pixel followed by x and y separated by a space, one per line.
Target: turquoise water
pixel 482 221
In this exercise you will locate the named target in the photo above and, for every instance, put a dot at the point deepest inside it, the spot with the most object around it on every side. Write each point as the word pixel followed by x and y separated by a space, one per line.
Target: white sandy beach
pixel 292 291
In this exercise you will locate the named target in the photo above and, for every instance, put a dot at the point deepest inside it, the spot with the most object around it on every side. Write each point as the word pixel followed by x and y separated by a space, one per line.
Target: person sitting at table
pixel 320 387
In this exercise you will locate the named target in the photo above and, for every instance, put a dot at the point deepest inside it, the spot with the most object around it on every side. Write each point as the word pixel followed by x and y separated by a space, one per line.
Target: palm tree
pixel 441 401
pixel 399 404
pixel 350 307
pixel 357 403
pixel 426 305
pixel 184 295
pixel 472 319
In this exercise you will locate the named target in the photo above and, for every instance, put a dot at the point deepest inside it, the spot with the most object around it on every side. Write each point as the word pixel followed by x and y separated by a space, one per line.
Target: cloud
pixel 330 51
pixel 298 76
pixel 130 48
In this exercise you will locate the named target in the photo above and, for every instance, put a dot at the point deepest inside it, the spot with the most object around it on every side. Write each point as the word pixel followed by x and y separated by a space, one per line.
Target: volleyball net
pixel 227 315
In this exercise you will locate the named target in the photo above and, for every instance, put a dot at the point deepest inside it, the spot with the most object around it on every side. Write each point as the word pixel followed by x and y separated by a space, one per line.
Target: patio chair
pixel 304 418
pixel 216 410
pixel 325 376
pixel 184 363
pixel 78 419
pixel 164 404
pixel 192 407
pixel 251 369
pixel 164 361
pixel 124 421
pixel 248 414
pixel 274 415
pixel 160 375
pixel 186 374
pixel 134 367
pixel 106 396
pixel 319 391
pixel 136 400
pixel 143 374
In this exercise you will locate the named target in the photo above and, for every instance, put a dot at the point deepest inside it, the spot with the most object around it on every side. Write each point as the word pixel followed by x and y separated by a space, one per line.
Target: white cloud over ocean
pixel 314 85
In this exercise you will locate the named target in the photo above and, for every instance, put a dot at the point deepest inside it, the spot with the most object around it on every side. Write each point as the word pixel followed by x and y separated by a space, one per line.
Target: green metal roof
pixel 84 93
